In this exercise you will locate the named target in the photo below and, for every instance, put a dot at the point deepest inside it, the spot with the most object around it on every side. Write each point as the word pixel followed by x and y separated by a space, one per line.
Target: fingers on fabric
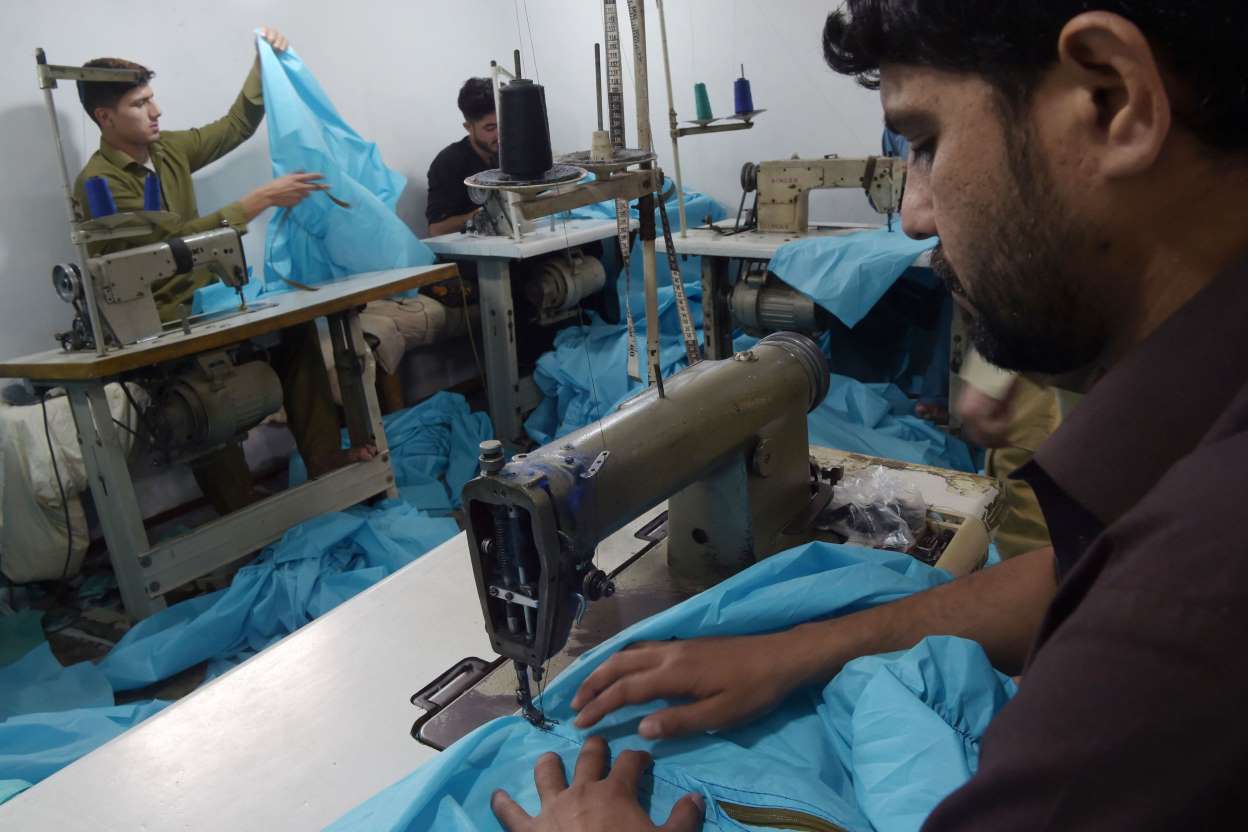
pixel 627 769
pixel 591 765
pixel 618 666
pixel 705 715
pixel 549 777
pixel 509 814
pixel 686 815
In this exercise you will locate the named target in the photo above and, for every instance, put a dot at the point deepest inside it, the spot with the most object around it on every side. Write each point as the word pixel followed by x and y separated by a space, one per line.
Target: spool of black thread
pixel 524 144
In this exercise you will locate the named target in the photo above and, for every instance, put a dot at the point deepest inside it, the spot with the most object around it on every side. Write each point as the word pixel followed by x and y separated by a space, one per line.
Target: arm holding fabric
pixel 731 680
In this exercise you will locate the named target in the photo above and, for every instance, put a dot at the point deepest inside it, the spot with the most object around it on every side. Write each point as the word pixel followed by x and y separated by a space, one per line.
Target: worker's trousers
pixel 223 475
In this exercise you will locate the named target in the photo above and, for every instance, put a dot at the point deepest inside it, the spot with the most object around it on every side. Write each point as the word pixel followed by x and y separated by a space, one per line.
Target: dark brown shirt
pixel 1133 710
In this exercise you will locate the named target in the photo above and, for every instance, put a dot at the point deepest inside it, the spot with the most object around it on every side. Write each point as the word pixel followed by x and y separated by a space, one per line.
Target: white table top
pixel 298 735
pixel 318 723
pixel 756 245
pixel 541 240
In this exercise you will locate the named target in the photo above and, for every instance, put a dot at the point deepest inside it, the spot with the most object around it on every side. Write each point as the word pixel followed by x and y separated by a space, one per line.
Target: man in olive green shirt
pixel 132 145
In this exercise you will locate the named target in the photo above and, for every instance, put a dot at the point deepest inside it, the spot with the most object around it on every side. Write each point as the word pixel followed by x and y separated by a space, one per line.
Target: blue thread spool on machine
pixel 742 96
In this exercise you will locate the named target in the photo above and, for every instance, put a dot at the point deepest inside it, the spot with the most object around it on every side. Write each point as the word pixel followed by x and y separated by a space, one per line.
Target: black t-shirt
pixel 448 195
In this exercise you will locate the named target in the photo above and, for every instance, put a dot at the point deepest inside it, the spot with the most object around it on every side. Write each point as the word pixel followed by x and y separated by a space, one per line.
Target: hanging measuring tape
pixel 615 114
pixel 687 332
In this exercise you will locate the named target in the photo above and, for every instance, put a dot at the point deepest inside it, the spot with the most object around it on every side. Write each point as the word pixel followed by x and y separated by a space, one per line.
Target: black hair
pixel 1201 44
pixel 95 94
pixel 476 99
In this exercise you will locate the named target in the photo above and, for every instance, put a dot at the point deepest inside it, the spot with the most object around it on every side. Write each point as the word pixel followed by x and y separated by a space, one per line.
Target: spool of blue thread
pixel 741 93
pixel 151 193
pixel 100 200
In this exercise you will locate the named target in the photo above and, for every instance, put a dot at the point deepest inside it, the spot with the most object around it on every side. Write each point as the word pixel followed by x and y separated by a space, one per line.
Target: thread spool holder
pixel 531 201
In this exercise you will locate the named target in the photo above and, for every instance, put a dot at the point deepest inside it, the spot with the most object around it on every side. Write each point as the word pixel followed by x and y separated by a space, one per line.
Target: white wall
pixel 393 69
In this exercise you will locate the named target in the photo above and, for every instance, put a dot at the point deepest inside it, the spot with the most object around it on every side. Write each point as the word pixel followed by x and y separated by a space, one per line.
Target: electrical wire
pixel 69 531
pixel 472 338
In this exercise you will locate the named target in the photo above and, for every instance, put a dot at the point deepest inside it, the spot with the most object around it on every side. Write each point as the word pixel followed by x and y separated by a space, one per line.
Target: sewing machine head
pixel 123 283
pixel 784 187
pixel 726 446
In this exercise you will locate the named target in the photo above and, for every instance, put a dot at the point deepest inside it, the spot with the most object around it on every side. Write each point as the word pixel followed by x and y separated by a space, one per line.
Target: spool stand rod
pixel 645 205
pixel 671 117
pixel 93 309
pixel 598 80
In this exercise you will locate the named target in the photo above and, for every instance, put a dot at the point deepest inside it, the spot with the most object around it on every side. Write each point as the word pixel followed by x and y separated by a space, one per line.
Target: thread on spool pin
pixel 524 142
pixel 100 200
pixel 702 100
pixel 742 95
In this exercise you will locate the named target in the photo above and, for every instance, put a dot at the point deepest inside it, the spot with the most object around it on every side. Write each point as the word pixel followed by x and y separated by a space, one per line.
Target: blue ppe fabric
pixel 52 715
pixel 321 563
pixel 895 144
pixel 20 632
pixel 875 749
pixel 35 746
pixel 38 682
pixel 433 450
pixel 849 273
pixel 318 240
pixel 12 788
pixel 878 420
pixel 585 377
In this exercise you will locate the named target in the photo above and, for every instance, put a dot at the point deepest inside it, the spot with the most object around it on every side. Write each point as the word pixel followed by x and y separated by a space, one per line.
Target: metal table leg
pixel 356 370
pixel 502 376
pixel 113 492
pixel 716 316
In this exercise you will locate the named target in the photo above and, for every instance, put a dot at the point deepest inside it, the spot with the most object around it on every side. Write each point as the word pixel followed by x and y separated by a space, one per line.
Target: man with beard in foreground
pixel 1084 164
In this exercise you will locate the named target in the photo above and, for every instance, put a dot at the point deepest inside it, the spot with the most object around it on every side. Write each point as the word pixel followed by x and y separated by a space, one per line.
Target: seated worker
pixel 396 325
pixel 1010 415
pixel 1085 173
pixel 449 207
pixel 132 145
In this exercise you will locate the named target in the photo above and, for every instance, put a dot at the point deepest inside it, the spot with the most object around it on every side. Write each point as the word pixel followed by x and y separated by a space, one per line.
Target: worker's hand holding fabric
pixel 595 800
pixel 985 420
pixel 275 39
pixel 730 680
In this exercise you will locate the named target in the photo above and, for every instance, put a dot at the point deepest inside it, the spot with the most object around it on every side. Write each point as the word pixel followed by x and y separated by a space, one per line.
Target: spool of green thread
pixel 703 102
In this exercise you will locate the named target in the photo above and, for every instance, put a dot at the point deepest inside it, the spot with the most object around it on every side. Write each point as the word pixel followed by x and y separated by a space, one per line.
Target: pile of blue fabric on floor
pixel 875 749
pixel 52 715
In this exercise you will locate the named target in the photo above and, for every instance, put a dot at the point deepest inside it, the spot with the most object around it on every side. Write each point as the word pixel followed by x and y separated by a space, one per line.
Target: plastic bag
pixel 877 508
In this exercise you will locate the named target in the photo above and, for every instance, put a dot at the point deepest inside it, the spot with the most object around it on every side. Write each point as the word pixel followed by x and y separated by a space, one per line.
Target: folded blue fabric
pixel 38 682
pixel 878 420
pixel 35 746
pixel 876 748
pixel 433 450
pixel 319 240
pixel 848 274
pixel 321 563
pixel 12 788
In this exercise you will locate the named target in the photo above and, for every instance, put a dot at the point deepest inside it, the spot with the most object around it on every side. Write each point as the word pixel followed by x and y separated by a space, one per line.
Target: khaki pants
pixel 223 475
pixel 401 324
pixel 1036 413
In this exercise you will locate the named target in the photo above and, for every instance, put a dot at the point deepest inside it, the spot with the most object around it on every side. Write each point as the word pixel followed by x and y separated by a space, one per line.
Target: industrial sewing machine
pixel 726 447
pixel 783 187
pixel 121 284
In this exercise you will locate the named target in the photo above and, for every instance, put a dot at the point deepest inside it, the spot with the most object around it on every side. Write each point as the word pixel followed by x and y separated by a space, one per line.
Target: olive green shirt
pixel 175 156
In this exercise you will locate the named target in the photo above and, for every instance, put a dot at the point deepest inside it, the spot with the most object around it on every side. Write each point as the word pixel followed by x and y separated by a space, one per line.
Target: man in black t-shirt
pixel 449 207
